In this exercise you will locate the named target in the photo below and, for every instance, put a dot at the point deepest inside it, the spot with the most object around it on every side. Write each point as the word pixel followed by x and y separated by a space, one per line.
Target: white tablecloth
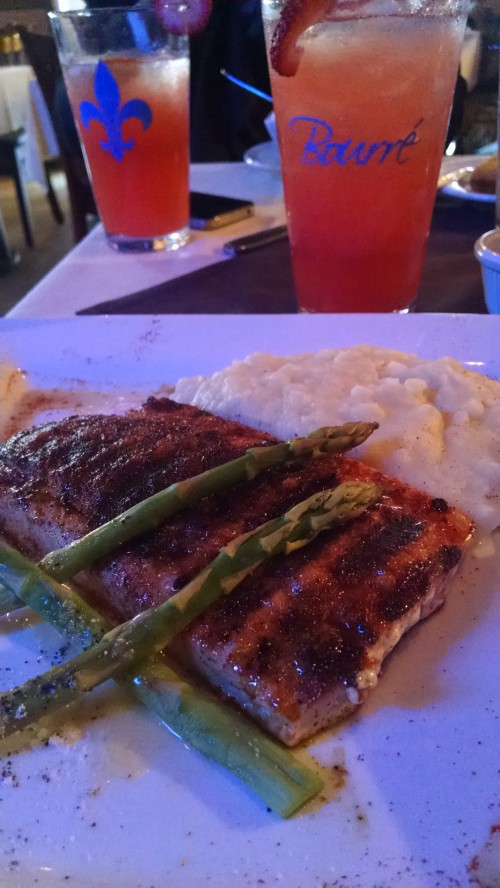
pixel 92 272
pixel 22 105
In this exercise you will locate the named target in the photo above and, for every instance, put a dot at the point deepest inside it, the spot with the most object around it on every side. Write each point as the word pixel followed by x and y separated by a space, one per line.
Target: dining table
pixel 201 278
pixel 112 799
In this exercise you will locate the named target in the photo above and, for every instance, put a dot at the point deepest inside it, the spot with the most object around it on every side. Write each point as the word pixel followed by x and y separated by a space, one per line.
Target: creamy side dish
pixel 439 423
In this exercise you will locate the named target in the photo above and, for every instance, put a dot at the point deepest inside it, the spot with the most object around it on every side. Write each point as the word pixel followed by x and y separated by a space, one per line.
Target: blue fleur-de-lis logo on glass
pixel 111 114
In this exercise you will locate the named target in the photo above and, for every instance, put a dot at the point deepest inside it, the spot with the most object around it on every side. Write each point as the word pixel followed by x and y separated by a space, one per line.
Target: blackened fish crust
pixel 302 640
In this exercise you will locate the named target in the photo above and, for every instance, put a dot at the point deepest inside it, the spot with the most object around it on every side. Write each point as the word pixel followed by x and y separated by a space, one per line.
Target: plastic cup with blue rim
pixel 487 251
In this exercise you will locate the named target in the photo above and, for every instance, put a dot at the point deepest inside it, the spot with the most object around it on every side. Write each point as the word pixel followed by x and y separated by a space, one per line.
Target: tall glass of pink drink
pixel 362 94
pixel 128 84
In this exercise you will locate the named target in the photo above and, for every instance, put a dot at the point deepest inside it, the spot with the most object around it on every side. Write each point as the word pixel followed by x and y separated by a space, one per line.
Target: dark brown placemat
pixel 451 278
pixel 261 282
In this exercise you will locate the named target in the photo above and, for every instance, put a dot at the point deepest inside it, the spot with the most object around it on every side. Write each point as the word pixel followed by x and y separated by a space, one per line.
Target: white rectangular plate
pixel 123 804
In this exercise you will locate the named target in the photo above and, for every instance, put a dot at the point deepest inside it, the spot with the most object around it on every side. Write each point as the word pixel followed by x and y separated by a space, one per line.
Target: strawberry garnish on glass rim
pixel 296 16
pixel 183 16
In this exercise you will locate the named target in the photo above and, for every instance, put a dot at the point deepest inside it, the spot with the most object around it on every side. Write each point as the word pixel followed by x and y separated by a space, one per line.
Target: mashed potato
pixel 439 424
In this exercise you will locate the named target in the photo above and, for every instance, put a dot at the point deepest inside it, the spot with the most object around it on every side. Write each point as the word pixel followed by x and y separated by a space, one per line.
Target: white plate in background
pixel 454 178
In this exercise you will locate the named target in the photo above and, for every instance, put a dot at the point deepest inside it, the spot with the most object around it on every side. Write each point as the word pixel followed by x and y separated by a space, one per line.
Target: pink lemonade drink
pixel 361 127
pixel 127 76
pixel 144 192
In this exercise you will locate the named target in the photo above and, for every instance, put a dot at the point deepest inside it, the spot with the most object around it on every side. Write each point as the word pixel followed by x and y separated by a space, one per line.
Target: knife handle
pixel 255 241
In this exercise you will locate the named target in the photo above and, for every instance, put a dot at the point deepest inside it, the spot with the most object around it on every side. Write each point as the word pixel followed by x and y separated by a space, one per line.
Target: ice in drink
pixel 361 128
pixel 141 189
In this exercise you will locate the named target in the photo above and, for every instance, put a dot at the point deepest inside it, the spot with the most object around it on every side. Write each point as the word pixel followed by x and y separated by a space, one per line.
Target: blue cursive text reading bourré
pixel 321 146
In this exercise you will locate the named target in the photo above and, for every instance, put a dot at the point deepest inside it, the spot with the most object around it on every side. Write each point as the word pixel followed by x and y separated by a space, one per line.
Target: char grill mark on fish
pixel 299 643
pixel 322 619
pixel 96 465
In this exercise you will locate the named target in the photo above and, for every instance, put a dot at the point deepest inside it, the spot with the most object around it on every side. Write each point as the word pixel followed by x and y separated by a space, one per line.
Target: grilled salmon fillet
pixel 301 641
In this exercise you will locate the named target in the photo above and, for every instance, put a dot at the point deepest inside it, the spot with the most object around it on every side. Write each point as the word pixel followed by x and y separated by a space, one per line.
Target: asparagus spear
pixel 150 513
pixel 151 630
pixel 65 562
pixel 56 602
pixel 217 731
pixel 272 772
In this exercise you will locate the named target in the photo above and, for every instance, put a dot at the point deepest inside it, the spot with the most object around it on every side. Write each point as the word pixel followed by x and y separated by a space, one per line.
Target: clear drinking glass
pixel 362 122
pixel 128 85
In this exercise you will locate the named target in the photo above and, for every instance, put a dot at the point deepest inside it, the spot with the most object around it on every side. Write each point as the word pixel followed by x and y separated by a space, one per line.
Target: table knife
pixel 255 241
